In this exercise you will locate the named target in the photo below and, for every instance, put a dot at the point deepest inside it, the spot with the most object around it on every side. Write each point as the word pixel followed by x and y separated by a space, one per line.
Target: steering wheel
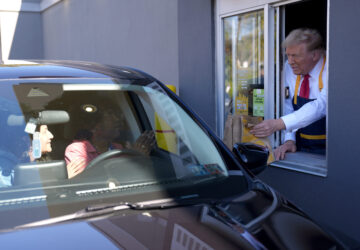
pixel 112 153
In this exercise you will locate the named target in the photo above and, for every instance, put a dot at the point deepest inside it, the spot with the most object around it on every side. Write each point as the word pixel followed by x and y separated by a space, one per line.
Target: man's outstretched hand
pixel 267 127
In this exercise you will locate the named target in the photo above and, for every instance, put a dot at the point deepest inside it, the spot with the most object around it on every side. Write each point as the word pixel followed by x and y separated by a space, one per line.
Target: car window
pixel 14 141
pixel 65 143
pixel 177 133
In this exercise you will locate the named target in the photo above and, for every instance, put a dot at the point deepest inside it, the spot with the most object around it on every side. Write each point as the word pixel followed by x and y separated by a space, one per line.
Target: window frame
pixel 272 70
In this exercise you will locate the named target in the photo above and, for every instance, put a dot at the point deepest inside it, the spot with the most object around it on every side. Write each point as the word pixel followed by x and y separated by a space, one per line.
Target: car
pixel 95 156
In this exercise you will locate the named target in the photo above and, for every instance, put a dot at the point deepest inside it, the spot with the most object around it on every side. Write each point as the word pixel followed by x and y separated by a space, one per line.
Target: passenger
pixel 45 137
pixel 90 144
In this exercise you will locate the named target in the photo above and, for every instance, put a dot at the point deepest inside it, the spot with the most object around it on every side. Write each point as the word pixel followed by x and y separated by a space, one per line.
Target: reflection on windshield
pixel 65 142
pixel 121 125
pixel 14 142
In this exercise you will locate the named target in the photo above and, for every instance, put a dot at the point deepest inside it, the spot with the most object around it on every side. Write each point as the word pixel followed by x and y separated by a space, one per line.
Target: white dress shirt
pixel 311 111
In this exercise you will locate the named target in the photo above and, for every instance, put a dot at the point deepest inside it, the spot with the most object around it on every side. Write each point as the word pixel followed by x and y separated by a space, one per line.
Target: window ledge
pixel 304 162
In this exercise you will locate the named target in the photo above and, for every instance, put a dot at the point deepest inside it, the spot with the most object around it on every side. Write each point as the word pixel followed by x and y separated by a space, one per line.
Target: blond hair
pixel 310 37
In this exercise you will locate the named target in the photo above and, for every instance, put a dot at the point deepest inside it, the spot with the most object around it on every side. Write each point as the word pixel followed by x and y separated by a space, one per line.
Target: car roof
pixel 67 69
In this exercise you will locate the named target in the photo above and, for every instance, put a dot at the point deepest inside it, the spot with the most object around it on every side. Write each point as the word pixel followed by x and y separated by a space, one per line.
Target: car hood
pixel 253 221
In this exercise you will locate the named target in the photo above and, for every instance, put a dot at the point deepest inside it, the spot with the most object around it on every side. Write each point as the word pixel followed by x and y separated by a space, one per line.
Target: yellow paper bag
pixel 247 122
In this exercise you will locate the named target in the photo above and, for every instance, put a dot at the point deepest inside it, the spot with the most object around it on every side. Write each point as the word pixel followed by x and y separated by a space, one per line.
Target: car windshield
pixel 76 142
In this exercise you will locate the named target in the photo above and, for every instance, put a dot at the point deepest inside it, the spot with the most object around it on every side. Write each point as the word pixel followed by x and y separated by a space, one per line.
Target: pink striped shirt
pixel 83 149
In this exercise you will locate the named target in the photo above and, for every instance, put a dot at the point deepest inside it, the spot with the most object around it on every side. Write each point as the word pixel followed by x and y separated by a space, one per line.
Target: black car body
pixel 188 192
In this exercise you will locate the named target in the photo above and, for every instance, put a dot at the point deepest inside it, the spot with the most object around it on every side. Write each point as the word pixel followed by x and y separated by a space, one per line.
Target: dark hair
pixel 83 134
pixel 90 120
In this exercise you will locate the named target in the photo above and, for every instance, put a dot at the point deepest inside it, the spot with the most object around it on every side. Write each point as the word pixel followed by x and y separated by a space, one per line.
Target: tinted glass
pixel 64 144
pixel 244 64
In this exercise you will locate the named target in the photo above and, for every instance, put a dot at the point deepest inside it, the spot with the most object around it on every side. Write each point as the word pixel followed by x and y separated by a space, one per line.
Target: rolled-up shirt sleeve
pixel 80 150
pixel 74 151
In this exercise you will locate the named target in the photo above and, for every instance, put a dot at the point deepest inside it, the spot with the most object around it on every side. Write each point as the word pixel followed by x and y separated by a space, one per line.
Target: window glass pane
pixel 244 64
pixel 66 146
pixel 49 128
pixel 14 141
pixel 176 133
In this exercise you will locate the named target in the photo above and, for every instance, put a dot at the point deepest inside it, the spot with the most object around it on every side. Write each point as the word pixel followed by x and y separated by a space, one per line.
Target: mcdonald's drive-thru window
pixel 252 81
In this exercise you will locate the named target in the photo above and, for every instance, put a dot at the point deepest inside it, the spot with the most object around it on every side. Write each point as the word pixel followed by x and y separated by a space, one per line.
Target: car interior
pixel 69 113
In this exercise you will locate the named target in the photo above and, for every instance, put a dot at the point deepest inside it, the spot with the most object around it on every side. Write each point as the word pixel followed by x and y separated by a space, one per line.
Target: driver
pixel 90 144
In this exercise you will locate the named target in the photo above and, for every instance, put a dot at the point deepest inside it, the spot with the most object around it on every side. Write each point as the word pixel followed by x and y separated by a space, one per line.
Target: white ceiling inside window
pixel 26 5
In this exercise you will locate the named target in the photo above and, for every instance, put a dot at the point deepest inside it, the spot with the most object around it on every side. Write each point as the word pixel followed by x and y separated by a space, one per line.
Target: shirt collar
pixel 88 146
pixel 316 70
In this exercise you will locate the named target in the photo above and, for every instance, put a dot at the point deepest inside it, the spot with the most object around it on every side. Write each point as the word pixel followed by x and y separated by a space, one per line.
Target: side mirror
pixel 253 157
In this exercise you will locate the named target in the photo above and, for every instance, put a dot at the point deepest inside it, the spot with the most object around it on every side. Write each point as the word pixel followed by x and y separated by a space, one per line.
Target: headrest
pixel 48 117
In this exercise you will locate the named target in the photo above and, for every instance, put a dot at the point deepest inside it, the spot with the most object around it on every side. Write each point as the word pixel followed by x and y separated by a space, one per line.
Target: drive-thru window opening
pixel 316 18
pixel 262 30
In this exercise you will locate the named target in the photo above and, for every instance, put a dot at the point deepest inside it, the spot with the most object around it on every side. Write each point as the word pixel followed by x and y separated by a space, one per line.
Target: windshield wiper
pixel 168 202
pixel 103 209
pixel 82 214
pixel 158 203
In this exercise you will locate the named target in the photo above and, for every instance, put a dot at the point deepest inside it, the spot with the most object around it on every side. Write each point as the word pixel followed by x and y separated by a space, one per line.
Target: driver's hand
pixel 145 143
pixel 75 167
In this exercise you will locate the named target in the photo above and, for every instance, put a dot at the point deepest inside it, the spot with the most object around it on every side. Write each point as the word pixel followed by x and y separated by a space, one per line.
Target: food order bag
pixel 237 129
pixel 232 133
